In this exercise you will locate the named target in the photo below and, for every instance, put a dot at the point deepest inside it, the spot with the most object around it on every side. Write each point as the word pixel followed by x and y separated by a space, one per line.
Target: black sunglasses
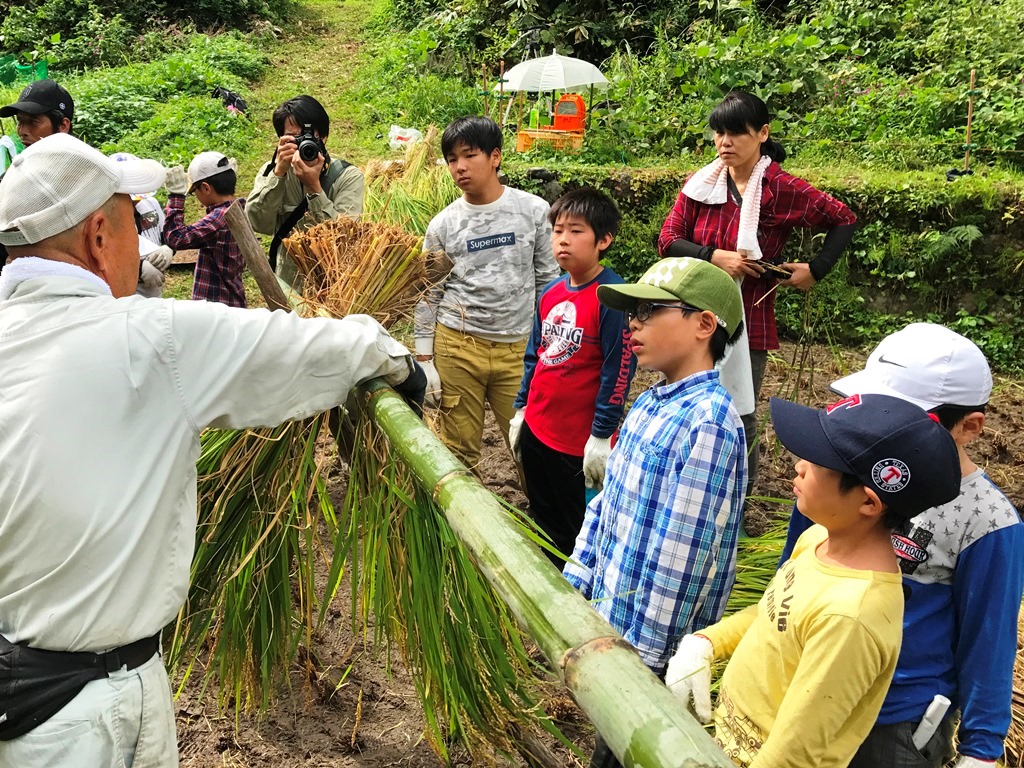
pixel 645 309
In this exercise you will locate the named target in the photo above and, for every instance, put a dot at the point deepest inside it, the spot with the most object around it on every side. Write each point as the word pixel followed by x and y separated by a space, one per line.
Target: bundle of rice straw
pixel 408 193
pixel 351 266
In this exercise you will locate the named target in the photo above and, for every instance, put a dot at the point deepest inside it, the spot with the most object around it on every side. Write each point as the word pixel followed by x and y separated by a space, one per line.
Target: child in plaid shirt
pixel 657 552
pixel 218 276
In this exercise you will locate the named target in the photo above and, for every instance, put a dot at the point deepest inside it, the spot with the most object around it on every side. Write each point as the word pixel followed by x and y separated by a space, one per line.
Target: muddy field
pixel 373 718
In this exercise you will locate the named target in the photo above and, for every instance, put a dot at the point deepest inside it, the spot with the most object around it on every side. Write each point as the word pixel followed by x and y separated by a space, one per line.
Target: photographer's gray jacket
pixel 273 198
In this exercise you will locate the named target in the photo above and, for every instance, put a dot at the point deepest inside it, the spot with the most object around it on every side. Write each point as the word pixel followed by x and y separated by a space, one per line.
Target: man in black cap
pixel 42 109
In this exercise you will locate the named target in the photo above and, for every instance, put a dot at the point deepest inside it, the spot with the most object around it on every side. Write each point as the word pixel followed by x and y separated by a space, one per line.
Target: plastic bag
pixel 399 137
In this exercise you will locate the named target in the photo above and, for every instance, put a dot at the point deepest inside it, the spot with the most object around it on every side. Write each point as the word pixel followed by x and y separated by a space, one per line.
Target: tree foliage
pixel 79 34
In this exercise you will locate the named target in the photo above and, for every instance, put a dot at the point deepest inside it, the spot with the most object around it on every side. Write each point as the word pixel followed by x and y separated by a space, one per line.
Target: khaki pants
pixel 472 371
pixel 122 721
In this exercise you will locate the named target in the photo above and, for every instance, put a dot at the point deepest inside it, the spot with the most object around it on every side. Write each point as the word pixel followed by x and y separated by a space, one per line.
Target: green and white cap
pixel 692 281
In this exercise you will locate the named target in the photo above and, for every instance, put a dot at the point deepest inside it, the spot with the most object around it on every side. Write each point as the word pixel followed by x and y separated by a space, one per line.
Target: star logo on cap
pixel 890 475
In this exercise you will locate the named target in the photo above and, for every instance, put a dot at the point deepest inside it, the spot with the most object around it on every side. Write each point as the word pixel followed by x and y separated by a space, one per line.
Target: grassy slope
pixel 320 55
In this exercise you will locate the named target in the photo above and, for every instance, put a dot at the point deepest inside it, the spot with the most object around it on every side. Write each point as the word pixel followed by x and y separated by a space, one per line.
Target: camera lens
pixel 308 150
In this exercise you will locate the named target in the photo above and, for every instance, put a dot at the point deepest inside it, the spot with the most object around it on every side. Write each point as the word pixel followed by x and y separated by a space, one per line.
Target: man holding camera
pixel 301 185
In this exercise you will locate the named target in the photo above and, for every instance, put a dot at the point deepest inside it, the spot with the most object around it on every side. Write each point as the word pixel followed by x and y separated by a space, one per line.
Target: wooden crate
pixel 566 141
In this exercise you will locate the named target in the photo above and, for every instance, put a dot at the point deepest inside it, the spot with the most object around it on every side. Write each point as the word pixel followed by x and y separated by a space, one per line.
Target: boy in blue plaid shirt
pixel 657 552
pixel 658 547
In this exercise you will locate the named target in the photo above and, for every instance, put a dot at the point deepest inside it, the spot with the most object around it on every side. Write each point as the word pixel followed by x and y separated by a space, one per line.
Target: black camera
pixel 310 145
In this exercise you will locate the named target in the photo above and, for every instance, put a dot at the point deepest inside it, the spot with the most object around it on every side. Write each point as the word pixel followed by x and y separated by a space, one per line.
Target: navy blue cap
pixel 892 446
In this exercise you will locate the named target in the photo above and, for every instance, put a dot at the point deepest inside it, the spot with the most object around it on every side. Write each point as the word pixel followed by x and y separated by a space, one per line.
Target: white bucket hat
pixel 58 181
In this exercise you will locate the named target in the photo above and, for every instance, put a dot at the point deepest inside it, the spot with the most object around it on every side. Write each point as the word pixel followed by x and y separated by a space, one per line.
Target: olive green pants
pixel 474 371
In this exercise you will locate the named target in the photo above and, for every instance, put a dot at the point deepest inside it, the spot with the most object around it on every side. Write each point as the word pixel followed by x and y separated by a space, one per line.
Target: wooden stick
pixel 254 257
pixel 970 118
pixel 483 77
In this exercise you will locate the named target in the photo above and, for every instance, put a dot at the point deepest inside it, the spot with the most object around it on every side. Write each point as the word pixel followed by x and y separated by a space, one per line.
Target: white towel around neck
pixel 31 267
pixel 711 185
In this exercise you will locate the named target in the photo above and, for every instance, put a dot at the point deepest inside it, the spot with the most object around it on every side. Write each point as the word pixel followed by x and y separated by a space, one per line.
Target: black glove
pixel 414 388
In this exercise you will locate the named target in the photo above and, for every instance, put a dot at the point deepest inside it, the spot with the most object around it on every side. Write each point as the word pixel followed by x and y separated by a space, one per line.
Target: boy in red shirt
pixel 578 368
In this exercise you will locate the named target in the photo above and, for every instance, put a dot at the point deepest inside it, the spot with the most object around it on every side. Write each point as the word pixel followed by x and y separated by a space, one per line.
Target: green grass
pixel 178 285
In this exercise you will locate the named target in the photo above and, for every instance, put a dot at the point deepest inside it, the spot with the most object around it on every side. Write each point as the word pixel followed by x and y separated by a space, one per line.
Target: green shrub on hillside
pixel 402 87
pixel 883 83
pixel 185 126
pixel 111 103
pixel 164 109
pixel 80 34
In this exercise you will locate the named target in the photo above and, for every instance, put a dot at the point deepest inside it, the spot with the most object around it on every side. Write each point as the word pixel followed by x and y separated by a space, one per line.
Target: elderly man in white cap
pixel 102 400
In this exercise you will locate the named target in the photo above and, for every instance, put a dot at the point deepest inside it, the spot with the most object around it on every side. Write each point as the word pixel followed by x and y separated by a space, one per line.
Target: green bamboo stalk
pixel 642 722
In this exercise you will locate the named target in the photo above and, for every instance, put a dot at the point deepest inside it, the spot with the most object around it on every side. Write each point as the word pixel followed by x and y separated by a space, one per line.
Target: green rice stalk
pixel 262 500
pixel 432 606
pixel 410 192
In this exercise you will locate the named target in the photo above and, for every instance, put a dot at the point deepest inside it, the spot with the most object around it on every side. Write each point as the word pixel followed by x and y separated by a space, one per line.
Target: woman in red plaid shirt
pixel 738 213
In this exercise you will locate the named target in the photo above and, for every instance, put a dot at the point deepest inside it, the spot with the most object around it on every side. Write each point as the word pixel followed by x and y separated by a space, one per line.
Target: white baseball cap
pixel 925 364
pixel 58 181
pixel 207 164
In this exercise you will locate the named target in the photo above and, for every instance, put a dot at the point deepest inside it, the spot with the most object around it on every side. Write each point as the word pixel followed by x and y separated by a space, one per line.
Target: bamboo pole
pixel 483 77
pixel 501 95
pixel 639 719
pixel 637 716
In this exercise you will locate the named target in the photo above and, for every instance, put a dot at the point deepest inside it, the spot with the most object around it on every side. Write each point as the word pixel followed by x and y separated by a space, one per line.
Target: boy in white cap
pixel 657 551
pixel 102 401
pixel 962 564
pixel 810 663
pixel 211 177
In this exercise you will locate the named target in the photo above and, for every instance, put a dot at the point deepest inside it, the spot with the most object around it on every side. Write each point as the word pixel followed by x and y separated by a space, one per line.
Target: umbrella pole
pixel 519 119
pixel 590 105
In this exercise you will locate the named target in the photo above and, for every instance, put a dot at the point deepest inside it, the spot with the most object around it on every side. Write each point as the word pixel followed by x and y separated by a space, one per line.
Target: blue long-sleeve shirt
pixel 963 566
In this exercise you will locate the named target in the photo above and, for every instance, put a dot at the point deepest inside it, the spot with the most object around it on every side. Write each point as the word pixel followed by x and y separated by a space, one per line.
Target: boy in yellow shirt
pixel 812 661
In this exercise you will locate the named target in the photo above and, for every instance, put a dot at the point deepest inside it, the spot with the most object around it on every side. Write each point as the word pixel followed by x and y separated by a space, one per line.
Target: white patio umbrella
pixel 551 73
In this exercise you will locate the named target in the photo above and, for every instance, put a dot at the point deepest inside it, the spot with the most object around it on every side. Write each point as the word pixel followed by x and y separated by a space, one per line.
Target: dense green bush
pixel 164 108
pixel 884 83
pixel 79 34
pixel 404 85
pixel 185 126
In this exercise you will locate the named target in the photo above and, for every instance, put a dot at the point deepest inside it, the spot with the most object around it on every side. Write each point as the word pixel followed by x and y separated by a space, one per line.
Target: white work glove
pixel 515 429
pixel 433 395
pixel 689 674
pixel 151 277
pixel 176 182
pixel 161 257
pixel 595 459
pixel 973 762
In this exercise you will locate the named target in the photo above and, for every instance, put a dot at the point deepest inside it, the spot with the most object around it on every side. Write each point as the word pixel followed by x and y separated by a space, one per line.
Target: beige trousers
pixel 474 371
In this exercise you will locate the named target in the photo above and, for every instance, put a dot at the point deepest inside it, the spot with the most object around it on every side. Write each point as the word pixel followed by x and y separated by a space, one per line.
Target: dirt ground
pixel 374 719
